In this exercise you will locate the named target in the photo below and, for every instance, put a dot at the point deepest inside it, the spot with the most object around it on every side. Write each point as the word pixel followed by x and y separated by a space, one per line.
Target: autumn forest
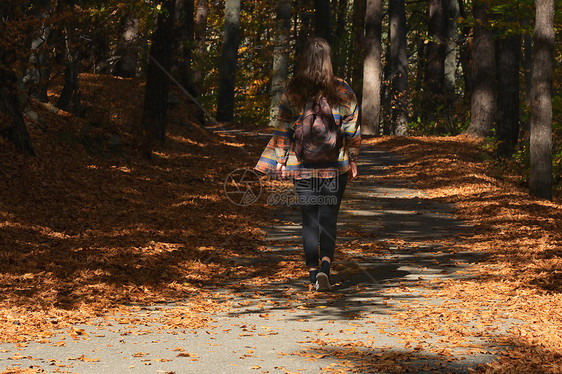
pixel 122 128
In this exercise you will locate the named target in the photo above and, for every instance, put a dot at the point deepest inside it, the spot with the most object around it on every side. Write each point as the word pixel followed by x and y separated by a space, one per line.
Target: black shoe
pixel 323 282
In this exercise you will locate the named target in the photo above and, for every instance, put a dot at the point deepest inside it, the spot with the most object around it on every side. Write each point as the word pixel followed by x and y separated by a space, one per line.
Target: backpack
pixel 317 138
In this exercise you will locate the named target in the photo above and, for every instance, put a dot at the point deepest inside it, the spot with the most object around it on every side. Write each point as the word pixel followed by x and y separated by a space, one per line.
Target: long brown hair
pixel 315 76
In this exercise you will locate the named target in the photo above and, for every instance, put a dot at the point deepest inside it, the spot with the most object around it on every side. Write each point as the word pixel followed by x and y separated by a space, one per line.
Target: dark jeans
pixel 320 200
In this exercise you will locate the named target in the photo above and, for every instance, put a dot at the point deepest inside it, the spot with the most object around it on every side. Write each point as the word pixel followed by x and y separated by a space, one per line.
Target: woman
pixel 319 187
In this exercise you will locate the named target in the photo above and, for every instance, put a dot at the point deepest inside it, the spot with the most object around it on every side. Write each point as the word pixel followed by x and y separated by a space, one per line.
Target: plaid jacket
pixel 281 146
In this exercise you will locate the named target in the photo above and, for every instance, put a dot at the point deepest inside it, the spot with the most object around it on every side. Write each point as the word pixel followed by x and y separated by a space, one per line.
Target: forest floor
pixel 110 263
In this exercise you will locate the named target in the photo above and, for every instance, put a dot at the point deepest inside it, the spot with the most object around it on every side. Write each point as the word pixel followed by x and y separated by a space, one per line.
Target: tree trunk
pixel 508 54
pixel 200 36
pixel 227 69
pixel 435 71
pixel 399 67
pixel 541 101
pixel 155 107
pixel 372 70
pixel 69 99
pixel 464 55
pixel 127 47
pixel 451 50
pixel 39 71
pixel 303 28
pixel 340 37
pixel 184 42
pixel 482 106
pixel 528 65
pixel 358 47
pixel 280 56
pixel 12 125
pixel 418 107
pixel 322 20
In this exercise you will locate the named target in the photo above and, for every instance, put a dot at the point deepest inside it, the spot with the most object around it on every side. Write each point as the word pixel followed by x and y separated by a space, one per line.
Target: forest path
pixel 381 317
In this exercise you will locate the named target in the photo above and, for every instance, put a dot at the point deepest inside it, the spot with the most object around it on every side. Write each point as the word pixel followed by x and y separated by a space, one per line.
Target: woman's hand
pixel 352 170
pixel 281 171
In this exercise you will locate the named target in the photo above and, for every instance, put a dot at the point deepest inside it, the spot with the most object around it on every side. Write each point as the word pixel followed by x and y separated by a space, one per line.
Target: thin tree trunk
pixel 358 47
pixel 155 107
pixel 322 20
pixel 340 37
pixel 184 41
pixel 200 31
pixel 227 69
pixel 399 67
pixel 372 70
pixel 528 65
pixel 451 49
pixel 69 99
pixel 418 107
pixel 435 73
pixel 483 106
pixel 127 47
pixel 280 56
pixel 303 28
pixel 508 55
pixel 541 101
pixel 39 71
pixel 464 55
pixel 386 89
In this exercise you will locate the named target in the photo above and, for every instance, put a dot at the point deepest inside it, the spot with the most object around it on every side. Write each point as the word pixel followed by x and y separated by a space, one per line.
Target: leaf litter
pixel 90 232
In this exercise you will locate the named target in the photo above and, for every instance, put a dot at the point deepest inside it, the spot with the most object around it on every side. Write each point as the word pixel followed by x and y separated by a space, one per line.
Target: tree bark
pixel 541 101
pixel 358 47
pixel 39 72
pixel 528 65
pixel 399 67
pixel 451 50
pixel 280 56
pixel 322 20
pixel 303 29
pixel 372 71
pixel 155 107
pixel 12 125
pixel 464 55
pixel 127 47
pixel 69 99
pixel 200 36
pixel 483 105
pixel 227 69
pixel 435 71
pixel 184 42
pixel 508 54
pixel 341 57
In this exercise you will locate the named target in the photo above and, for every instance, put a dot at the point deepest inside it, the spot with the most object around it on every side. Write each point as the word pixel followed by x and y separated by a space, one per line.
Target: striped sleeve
pixel 283 130
pixel 350 125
